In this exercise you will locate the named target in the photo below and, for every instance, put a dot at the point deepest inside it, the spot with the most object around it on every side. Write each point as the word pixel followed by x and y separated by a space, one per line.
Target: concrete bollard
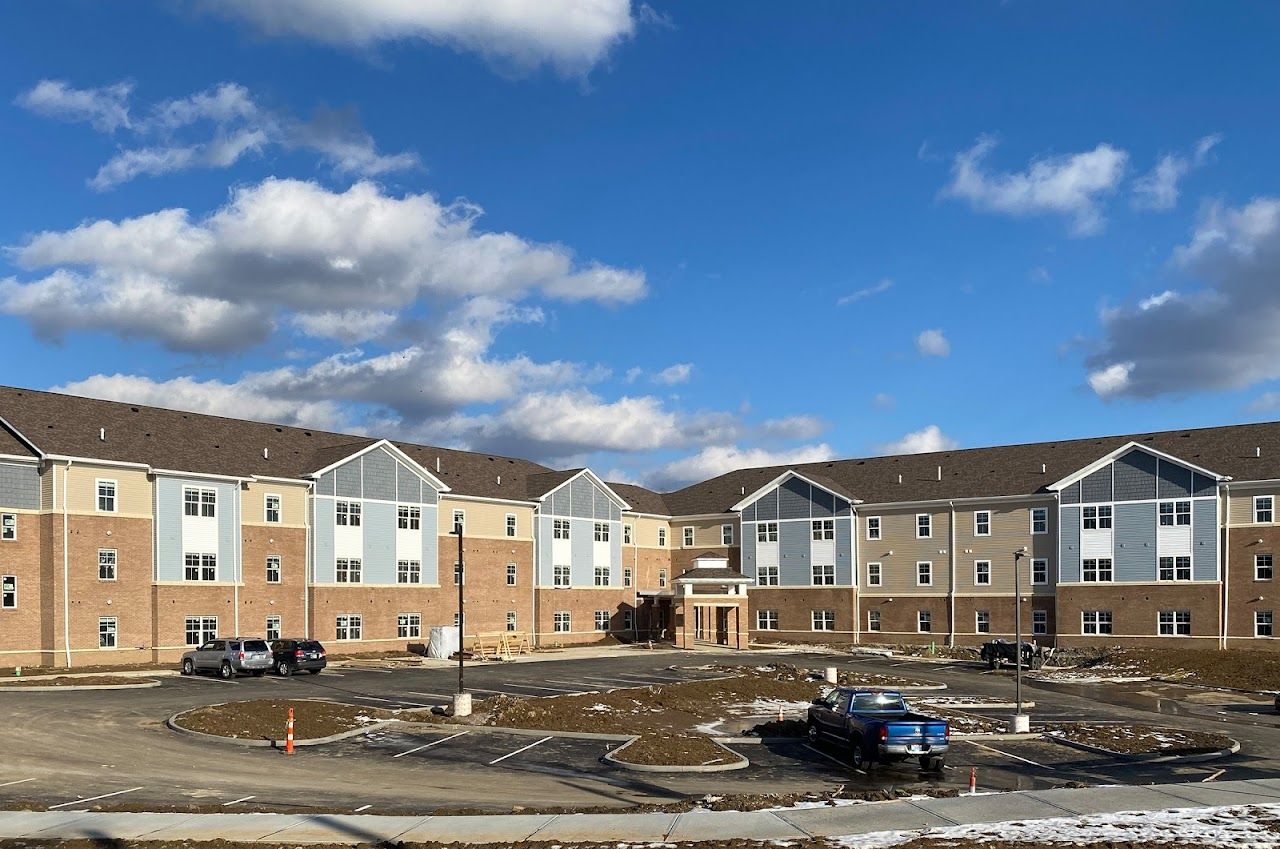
pixel 1020 724
pixel 462 704
pixel 831 675
pixel 973 781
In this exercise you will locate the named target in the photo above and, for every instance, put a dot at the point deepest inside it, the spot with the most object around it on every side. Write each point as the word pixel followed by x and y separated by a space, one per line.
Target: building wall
pixel 585 505
pixel 795 505
pixel 795 608
pixel 899 617
pixel 707 532
pixel 1134 610
pixel 22 629
pixel 581 605
pixel 899 550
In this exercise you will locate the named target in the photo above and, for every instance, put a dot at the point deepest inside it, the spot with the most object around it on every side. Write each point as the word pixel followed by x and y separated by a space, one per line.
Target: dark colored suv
pixel 289 656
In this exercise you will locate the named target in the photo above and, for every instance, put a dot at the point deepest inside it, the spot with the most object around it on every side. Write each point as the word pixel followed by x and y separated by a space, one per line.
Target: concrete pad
pixel 1110 800
pixel 861 819
pixel 514 828
pixel 23 823
pixel 1260 786
pixel 347 828
pixel 998 807
pixel 650 828
pixel 116 826
pixel 228 826
pixel 716 825
pixel 1210 794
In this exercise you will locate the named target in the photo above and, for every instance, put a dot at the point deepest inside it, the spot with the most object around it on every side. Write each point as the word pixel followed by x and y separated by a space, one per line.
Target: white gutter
pixel 951 597
pixel 69 459
pixel 1226 569
pixel 309 548
pixel 66 563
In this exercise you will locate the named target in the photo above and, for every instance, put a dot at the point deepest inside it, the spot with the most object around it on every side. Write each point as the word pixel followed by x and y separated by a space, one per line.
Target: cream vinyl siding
pixel 644 532
pixel 706 532
pixel 133 489
pixel 293 503
pixel 1242 504
pixel 485 520
pixel 898 534
pixel 47 487
pixel 1010 530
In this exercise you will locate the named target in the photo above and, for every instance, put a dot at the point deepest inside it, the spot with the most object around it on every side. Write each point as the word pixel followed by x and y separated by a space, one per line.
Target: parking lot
pixel 110 747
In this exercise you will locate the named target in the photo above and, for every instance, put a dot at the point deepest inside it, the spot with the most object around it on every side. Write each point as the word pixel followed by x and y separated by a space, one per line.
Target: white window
pixel 873 620
pixel 200 502
pixel 563 621
pixel 512 574
pixel 662 578
pixel 408 571
pixel 823 620
pixel 559 528
pixel 271 509
pixel 1095 622
pixel 982 573
pixel 409 625
pixel 1263 623
pixel 459 520
pixel 273 568
pixel 457 620
pixel 603 576
pixel 1039 520
pixel 349 570
pixel 627 579
pixel 511 620
pixel 8 592
pixel 924 574
pixel 1174 623
pixel 200 567
pixel 766 620
pixel 1175 568
pixel 1097 570
pixel 602 620
pixel 982 523
pixel 982 621
pixel 1263 569
pixel 626 535
pixel 726 534
pixel 347 513
pixel 458 576
pixel 8 527
pixel 1039 571
pixel 106 496
pixel 687 536
pixel 1039 621
pixel 1263 509
pixel 408 517
pixel 924 621
pixel 1097 518
pixel 602 531
pixel 875 575
pixel 823 529
pixel 106 632
pixel 200 629
pixel 767 576
pixel 924 526
pixel 767 532
pixel 348 626
pixel 560 576
pixel 273 628
pixel 106 564
pixel 662 537
pixel 873 527
pixel 824 574
pixel 1175 513
pixel 511 524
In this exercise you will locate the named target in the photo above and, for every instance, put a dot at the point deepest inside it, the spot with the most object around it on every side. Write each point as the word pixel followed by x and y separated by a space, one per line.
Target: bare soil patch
pixel 264 719
pixel 33 671
pixel 674 750
pixel 963 722
pixel 1238 669
pixel 79 681
pixel 1139 739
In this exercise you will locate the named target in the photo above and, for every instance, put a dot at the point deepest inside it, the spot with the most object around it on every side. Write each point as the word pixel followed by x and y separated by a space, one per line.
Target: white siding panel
pixel 767 554
pixel 1174 541
pixel 1096 543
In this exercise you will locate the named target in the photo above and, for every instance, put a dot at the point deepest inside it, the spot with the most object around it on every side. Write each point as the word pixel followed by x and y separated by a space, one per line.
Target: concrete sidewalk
pixel 779 824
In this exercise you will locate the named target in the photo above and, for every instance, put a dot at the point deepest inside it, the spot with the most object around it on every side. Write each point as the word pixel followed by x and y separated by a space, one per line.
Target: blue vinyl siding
pixel 168 530
pixel 582 498
pixel 615 558
pixel 793 499
pixel 560 505
pixel 409 487
pixel 1135 476
pixel 430 543
pixel 323 533
pixel 379 534
pixel 1097 486
pixel 823 503
pixel 229 520
pixel 1204 485
pixel 1069 551
pixel 749 513
pixel 793 554
pixel 379 477
pixel 748 549
pixel 348 480
pixel 19 486
pixel 1135 541
pixel 844 551
pixel 1204 539
pixel 325 485
pixel 1174 480
pixel 1071 494
pixel 767 506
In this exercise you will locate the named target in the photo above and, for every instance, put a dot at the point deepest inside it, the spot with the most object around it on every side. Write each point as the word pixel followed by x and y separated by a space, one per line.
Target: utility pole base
pixel 1019 724
pixel 462 704
pixel 831 675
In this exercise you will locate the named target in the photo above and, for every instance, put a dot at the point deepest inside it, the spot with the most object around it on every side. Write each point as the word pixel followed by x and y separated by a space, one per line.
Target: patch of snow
pixel 599 708
pixel 769 707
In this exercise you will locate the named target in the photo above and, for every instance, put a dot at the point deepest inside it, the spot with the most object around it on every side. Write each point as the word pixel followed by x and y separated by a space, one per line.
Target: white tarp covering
pixel 442 641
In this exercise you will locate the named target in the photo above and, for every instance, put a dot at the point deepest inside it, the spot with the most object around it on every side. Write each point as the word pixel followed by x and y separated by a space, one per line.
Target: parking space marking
pixel 19 781
pixel 518 751
pixel 92 798
pixel 394 701
pixel 532 687
pixel 430 695
pixel 586 688
pixel 429 745
pixel 1212 777
pixel 362 808
pixel 1009 755
pixel 238 801
pixel 370 669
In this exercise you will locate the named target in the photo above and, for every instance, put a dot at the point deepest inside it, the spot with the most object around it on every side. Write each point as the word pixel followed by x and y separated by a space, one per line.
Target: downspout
pixel 635 582
pixel 66 564
pixel 238 564
pixel 533 579
pixel 1226 568
pixel 309 552
pixel 951 600
pixel 857 590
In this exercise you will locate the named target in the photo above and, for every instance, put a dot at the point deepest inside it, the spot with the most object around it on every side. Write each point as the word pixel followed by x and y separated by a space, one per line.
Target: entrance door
pixel 722 626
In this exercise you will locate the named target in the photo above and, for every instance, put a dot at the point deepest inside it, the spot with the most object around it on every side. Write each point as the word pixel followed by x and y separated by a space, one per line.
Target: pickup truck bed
pixel 877 727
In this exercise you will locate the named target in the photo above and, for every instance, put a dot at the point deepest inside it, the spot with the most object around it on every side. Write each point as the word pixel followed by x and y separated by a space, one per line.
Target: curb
pixel 172 724
pixel 71 688
pixel 740 763
pixel 1211 687
pixel 1149 758
pixel 523 732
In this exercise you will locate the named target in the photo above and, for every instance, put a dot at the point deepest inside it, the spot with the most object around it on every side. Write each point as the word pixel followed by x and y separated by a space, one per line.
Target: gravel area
pixel 264 719
pixel 1139 739
pixel 79 681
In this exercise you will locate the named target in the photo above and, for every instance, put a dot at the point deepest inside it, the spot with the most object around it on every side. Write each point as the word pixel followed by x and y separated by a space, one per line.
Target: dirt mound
pixel 774 728
pixel 674 750
pixel 67 681
pixel 264 719
pixel 1139 739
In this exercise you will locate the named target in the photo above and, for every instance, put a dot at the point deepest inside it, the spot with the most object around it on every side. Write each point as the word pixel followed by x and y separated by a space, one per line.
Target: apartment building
pixel 129 533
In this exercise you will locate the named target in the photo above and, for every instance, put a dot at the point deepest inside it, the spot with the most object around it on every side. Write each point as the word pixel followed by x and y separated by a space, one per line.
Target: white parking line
pixel 608 680
pixel 431 695
pixel 370 669
pixel 532 687
pixel 583 686
pixel 393 701
pixel 429 745
pixel 1009 755
pixel 518 751
pixel 238 801
pixel 363 808
pixel 19 781
pixel 1212 777
pixel 92 798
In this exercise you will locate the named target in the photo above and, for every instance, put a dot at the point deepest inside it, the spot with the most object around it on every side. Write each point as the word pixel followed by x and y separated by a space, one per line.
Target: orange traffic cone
pixel 288 734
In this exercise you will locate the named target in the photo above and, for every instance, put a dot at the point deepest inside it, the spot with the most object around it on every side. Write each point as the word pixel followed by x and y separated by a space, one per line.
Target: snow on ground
pixel 1096 675
pixel 1237 827
pixel 768 707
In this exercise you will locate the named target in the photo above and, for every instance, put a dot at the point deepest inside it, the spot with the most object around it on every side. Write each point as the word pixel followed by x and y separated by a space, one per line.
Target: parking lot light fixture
pixel 1021 723
pixel 461 699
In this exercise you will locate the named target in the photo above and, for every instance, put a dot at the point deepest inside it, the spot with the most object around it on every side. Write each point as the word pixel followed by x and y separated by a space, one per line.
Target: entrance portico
pixel 710 604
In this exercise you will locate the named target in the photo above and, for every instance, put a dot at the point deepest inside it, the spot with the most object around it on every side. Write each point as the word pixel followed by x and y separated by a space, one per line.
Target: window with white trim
pixel 767 532
pixel 687 536
pixel 1174 623
pixel 626 535
pixel 824 575
pixel 1097 570
pixel 924 574
pixel 924 526
pixel 1095 622
pixel 408 517
pixel 559 528
pixel 602 620
pixel 459 520
pixel 106 496
pixel 875 575
pixel 347 513
pixel 627 577
pixel 1096 518
pixel 982 621
pixel 512 574
pixel 272 631
pixel 348 626
pixel 559 576
pixel 198 630
pixel 873 620
pixel 408 571
pixel 458 576
pixel 408 625
pixel 982 523
pixel 1039 571
pixel 873 527
pixel 8 527
pixel 1263 623
pixel 1039 622
pixel 766 576
pixel 106 564
pixel 271 509
pixel 603 576
pixel 512 527
pixel 823 529
pixel 982 573
pixel 726 534
pixel 823 620
pixel 562 622
pixel 924 621
pixel 1175 568
pixel 1263 567
pixel 1039 520
pixel 348 570
pixel 662 578
pixel 511 620
pixel 9 592
pixel 662 537
pixel 273 568
pixel 106 632
pixel 200 567
pixel 199 502
pixel 766 620
pixel 1263 509
pixel 1173 513
pixel 602 531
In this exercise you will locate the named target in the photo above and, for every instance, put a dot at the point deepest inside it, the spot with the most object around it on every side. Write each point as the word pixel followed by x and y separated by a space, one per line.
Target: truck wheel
pixel 856 752
pixel 282 669
pixel 811 731
pixel 188 668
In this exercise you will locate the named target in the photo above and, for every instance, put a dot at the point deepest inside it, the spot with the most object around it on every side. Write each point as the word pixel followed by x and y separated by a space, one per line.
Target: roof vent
pixel 1257 452
pixel 939 473
pixel 437 465
pixel 102 434
pixel 899 478
pixel 499 480
pixel 742 490
pixel 1043 468
pixel 266 453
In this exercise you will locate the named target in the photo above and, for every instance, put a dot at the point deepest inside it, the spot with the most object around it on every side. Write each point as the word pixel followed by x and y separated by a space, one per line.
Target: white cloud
pixel 1158 188
pixel 932 343
pixel 673 374
pixel 717 459
pixel 883 401
pixel 923 441
pixel 853 297
pixel 1041 275
pixel 793 427
pixel 1070 185
pixel 1157 300
pixel 105 108
pixel 348 326
pixel 1112 380
pixel 571 36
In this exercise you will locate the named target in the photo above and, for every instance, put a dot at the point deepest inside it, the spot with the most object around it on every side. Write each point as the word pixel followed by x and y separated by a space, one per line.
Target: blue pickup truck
pixel 878 728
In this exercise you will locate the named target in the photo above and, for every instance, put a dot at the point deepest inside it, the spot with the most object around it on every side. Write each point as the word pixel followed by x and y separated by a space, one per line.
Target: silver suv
pixel 228 657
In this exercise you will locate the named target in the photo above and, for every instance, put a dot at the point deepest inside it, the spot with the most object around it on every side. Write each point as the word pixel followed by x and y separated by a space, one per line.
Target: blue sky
pixel 663 239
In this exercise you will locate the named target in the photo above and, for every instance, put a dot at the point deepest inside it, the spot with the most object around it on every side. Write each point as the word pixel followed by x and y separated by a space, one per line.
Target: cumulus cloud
pixel 570 36
pixel 923 441
pixel 1158 188
pixel 717 459
pixel 348 326
pixel 932 343
pixel 793 427
pixel 1219 335
pixel 862 294
pixel 105 108
pixel 1072 185
pixel 673 374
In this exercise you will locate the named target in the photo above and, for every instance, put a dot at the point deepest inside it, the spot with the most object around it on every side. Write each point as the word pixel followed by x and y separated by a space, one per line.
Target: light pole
pixel 1021 722
pixel 461 699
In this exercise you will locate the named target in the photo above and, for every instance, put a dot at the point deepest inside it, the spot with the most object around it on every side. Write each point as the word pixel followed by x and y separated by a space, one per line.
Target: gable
pixel 793 497
pixel 1137 474
pixel 583 497
pixel 379 474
